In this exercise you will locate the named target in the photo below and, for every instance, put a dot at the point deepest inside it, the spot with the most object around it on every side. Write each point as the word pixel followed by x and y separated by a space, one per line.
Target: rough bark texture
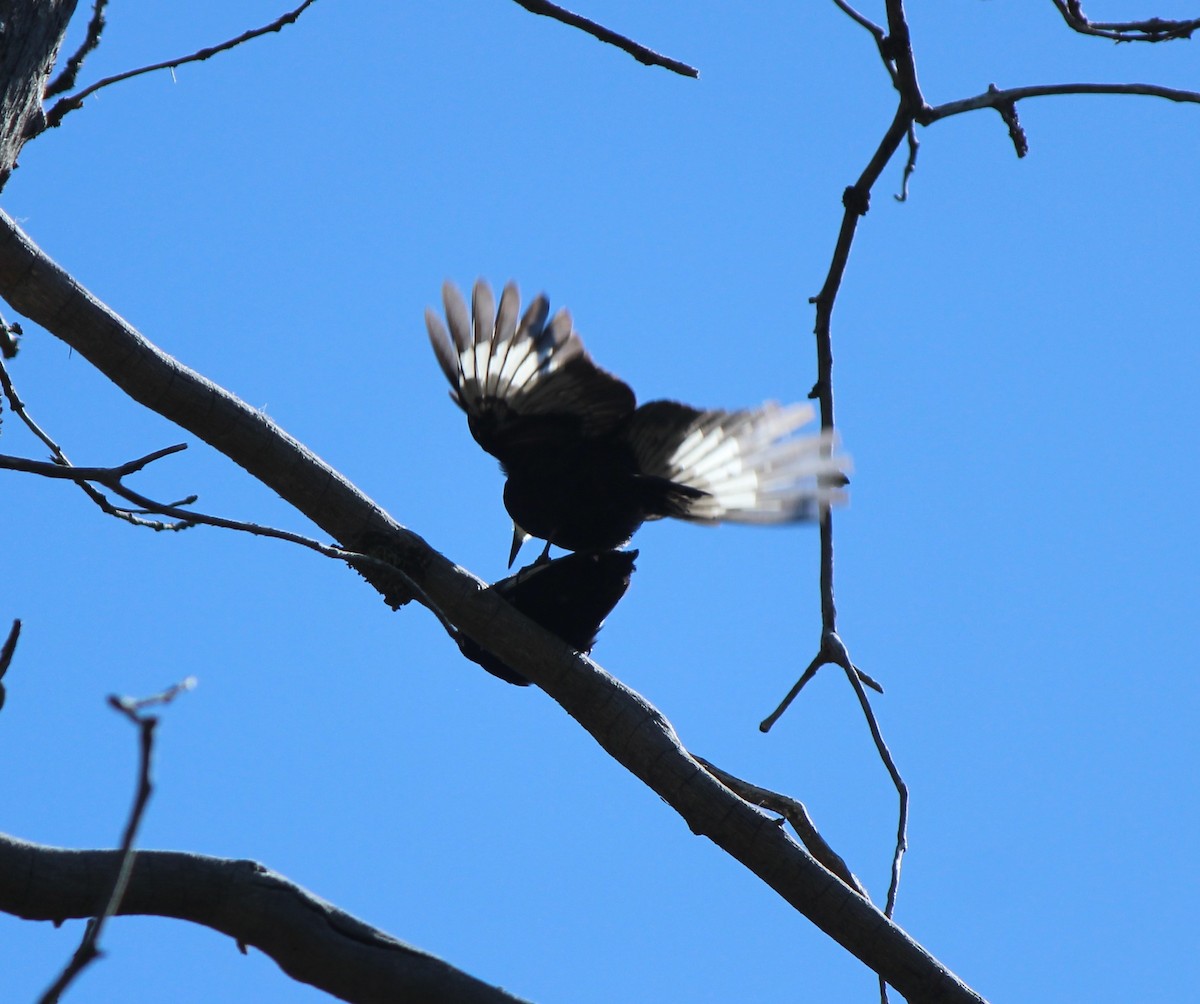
pixel 30 35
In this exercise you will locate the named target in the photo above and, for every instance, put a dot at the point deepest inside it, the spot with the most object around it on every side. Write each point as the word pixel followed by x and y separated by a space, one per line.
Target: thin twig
pixel 795 813
pixel 910 165
pixel 647 57
pixel 70 103
pixel 89 950
pixel 66 80
pixel 6 654
pixel 877 33
pixel 9 646
pixel 184 518
pixel 1154 29
pixel 995 97
pixel 63 468
pixel 809 672
pixel 110 477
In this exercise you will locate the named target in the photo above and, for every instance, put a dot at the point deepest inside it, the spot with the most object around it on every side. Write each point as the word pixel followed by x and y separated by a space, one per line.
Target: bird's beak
pixel 519 538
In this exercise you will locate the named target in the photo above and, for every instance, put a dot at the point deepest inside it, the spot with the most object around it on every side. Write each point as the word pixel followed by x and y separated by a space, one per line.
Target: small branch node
pixel 1008 112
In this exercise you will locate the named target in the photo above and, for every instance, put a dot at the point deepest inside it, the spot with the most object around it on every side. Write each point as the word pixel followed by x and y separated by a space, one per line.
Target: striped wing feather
pixel 749 464
pixel 525 369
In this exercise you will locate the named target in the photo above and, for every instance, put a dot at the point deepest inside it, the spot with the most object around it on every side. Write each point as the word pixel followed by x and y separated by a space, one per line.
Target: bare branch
pixel 996 98
pixel 6 654
pixel 69 104
pixel 795 813
pixel 648 57
pixel 9 647
pixel 308 938
pixel 110 477
pixel 66 80
pixel 1154 29
pixel 631 730
pixel 910 165
pixel 89 950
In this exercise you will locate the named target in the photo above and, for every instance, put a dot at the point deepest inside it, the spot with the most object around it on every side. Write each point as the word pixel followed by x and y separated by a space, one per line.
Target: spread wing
pixel 749 465
pixel 516 379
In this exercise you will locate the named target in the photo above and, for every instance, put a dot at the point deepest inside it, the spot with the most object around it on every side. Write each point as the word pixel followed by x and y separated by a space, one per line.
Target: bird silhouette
pixel 585 465
pixel 569 596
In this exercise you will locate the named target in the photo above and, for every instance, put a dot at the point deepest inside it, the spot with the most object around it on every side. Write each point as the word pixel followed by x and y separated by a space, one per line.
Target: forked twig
pixel 795 813
pixel 74 101
pixel 89 950
pixel 66 79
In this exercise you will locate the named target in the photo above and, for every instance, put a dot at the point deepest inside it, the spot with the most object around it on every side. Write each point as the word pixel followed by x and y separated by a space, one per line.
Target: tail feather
pixel 748 464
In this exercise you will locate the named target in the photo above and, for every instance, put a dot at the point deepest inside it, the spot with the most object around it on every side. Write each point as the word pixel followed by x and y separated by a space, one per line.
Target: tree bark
pixel 311 940
pixel 30 36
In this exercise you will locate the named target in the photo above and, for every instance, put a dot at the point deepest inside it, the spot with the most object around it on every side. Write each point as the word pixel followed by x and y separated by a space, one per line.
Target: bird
pixel 585 465
pixel 568 596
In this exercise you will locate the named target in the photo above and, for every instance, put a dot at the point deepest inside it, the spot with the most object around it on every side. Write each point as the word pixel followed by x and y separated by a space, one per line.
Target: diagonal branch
pixel 6 654
pixel 74 101
pixel 631 730
pixel 66 79
pixel 648 57
pixel 795 813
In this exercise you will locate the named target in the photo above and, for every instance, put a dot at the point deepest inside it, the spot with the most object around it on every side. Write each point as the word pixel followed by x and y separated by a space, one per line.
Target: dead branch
pixel 68 104
pixel 647 57
pixel 1154 29
pixel 89 949
pixel 66 79
pixel 631 730
pixel 311 940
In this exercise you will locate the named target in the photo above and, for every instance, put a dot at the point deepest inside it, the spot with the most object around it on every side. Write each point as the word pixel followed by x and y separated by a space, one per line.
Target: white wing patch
pixel 487 355
pixel 754 470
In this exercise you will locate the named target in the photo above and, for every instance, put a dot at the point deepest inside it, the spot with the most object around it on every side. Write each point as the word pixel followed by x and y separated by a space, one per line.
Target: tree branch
pixel 622 722
pixel 309 939
pixel 1154 29
pixel 89 950
pixel 70 103
pixel 32 36
pixel 66 79
pixel 997 98
pixel 110 477
pixel 6 654
pixel 647 57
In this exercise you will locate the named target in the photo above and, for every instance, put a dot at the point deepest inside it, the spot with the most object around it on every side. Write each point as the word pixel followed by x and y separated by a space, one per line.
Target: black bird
pixel 585 465
pixel 569 597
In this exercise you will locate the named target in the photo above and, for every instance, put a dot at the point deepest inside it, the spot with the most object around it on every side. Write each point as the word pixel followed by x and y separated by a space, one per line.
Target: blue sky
pixel 1015 371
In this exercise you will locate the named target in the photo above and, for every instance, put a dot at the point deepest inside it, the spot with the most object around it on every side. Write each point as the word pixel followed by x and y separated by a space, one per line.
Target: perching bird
pixel 586 466
pixel 569 597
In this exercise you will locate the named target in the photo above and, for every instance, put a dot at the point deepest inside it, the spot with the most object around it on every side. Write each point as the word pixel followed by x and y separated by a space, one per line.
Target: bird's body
pixel 585 494
pixel 569 597
pixel 585 465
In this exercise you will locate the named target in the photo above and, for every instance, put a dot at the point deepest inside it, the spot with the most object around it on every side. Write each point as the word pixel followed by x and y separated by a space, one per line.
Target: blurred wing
pixel 750 465
pixel 500 368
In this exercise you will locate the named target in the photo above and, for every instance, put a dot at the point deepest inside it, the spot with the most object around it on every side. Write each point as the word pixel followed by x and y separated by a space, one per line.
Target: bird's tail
pixel 748 466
